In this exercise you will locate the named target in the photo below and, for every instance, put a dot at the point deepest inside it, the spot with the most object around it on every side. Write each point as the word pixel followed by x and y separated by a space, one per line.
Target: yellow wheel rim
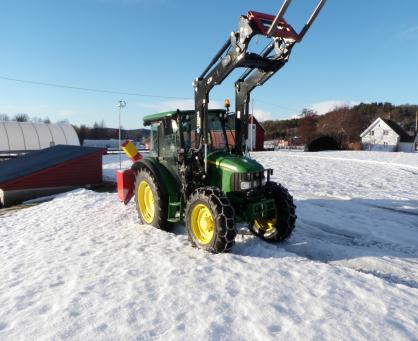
pixel 146 202
pixel 265 225
pixel 202 224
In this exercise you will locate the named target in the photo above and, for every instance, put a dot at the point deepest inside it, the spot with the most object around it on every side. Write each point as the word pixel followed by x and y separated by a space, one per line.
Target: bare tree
pixel 36 119
pixel 21 117
pixel 4 117
pixel 307 125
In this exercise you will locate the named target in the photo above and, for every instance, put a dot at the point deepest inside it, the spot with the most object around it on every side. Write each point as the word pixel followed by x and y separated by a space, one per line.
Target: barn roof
pixel 42 159
pixel 256 121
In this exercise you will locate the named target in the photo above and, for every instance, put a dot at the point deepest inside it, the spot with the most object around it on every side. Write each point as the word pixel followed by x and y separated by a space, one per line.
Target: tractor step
pixel 174 212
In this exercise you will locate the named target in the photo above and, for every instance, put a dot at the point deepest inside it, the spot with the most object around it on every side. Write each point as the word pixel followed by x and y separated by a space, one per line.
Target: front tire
pixel 151 202
pixel 210 220
pixel 279 228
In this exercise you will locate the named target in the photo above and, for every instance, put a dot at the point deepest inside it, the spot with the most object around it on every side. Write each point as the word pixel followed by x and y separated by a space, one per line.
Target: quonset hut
pixel 22 137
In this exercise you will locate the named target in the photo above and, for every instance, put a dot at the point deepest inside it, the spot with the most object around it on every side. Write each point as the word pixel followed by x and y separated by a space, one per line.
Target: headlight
pixel 245 185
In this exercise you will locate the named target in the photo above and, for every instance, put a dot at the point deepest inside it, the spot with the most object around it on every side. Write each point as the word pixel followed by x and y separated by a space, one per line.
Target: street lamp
pixel 121 104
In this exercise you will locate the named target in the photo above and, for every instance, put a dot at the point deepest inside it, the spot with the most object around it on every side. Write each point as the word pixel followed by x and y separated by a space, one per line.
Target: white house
pixel 387 135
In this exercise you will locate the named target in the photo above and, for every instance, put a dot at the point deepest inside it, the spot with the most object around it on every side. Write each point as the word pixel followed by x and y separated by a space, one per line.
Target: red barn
pixel 257 131
pixel 257 138
pixel 48 171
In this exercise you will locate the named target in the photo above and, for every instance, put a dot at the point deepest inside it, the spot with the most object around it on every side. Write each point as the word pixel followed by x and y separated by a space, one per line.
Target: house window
pixel 372 133
pixel 385 132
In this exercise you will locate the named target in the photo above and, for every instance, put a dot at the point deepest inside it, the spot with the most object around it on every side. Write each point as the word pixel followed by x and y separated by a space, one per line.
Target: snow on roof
pixel 27 136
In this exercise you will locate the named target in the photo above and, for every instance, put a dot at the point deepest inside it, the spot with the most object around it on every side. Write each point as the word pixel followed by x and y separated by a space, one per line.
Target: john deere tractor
pixel 198 169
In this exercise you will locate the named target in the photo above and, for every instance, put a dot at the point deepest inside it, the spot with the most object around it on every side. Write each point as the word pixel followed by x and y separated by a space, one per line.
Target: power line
pixel 63 86
pixel 71 87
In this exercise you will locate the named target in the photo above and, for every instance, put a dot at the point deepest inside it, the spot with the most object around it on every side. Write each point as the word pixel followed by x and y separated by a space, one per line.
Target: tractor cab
pixel 175 130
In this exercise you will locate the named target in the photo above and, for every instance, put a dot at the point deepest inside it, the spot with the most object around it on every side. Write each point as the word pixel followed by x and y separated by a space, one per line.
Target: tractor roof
pixel 160 116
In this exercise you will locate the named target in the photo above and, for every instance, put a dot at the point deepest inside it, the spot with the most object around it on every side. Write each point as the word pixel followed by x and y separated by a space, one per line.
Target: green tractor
pixel 199 170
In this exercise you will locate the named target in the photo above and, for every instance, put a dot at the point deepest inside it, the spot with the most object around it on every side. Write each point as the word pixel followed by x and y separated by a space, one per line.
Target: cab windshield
pixel 217 139
pixel 221 136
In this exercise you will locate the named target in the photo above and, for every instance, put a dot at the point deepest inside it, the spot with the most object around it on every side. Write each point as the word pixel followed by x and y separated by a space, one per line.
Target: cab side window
pixel 168 139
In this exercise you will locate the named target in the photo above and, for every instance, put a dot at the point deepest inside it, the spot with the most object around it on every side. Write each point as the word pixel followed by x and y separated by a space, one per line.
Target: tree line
pixel 344 124
pixel 98 131
pixel 22 117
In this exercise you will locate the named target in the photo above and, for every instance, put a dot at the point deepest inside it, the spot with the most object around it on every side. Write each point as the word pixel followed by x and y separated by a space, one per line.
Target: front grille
pixel 255 178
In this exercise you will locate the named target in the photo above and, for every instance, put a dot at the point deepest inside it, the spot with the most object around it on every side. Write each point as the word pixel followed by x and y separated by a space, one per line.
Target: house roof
pixel 42 159
pixel 403 136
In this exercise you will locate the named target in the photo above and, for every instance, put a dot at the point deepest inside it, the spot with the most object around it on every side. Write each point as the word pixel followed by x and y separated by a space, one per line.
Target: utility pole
pixel 416 131
pixel 416 123
pixel 121 104
pixel 252 123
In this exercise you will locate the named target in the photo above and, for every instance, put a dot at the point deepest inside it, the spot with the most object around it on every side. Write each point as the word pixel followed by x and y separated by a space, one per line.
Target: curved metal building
pixel 28 136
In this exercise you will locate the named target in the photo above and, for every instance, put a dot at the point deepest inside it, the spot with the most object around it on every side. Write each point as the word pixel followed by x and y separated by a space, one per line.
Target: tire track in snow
pixel 414 213
pixel 390 278
pixel 347 238
pixel 330 244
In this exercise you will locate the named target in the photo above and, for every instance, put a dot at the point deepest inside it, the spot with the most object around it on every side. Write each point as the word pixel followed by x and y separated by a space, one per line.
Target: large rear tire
pixel 151 202
pixel 210 220
pixel 279 228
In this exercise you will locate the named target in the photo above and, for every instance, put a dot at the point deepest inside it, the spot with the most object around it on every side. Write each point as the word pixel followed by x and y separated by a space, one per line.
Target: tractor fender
pixel 168 183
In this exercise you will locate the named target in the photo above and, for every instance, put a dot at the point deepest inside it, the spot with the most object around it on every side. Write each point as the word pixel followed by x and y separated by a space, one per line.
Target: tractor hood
pixel 234 163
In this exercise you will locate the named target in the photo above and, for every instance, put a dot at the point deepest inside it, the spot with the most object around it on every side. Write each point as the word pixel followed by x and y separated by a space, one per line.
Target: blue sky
pixel 356 51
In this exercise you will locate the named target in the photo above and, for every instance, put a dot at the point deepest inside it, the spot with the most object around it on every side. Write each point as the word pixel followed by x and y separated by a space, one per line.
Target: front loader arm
pixel 260 67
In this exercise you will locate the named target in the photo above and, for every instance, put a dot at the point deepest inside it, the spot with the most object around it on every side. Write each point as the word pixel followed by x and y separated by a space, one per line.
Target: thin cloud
pixel 262 115
pixel 324 107
pixel 66 113
pixel 411 31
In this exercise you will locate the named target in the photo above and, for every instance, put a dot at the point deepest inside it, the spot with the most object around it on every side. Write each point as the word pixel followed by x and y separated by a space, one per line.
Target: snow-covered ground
pixel 81 267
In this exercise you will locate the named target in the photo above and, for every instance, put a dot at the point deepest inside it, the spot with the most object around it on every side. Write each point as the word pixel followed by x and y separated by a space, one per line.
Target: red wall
pixel 82 171
pixel 259 138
